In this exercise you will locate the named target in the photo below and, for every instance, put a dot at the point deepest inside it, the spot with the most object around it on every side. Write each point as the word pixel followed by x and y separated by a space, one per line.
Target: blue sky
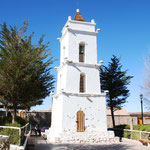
pixel 124 24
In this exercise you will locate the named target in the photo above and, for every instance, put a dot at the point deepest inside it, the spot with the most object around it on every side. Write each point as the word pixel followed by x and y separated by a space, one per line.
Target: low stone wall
pixel 146 120
pixel 44 119
pixel 126 120
pixel 83 137
pixel 121 120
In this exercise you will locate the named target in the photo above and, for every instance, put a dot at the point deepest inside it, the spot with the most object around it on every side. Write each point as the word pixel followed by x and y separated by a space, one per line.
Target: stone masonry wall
pixel 44 119
pixel 41 118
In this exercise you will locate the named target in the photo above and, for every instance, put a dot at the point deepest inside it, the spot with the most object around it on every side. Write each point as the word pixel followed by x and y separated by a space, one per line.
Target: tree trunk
pixel 112 112
pixel 6 111
pixel 112 115
pixel 14 114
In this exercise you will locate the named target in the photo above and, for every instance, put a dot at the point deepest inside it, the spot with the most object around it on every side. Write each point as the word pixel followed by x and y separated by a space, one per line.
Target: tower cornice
pixel 80 22
pixel 80 94
pixel 77 22
pixel 83 32
pixel 70 63
pixel 78 31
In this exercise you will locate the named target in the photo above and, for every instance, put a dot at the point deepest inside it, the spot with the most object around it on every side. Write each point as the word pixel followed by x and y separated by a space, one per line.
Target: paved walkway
pixel 41 144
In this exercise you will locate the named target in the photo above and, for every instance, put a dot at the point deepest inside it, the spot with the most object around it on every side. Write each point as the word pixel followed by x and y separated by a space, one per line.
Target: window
pixel 81 52
pixel 82 83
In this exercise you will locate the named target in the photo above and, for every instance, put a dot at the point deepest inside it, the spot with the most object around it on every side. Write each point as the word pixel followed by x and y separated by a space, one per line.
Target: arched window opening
pixel 82 83
pixel 81 52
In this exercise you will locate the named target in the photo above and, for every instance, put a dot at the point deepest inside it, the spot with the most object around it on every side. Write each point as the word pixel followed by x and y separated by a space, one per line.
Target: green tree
pixel 25 68
pixel 115 81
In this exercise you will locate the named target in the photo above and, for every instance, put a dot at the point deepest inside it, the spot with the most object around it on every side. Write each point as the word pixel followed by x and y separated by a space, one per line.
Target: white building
pixel 79 108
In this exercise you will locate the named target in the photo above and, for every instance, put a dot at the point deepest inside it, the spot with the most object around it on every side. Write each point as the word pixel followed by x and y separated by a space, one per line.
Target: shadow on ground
pixel 83 147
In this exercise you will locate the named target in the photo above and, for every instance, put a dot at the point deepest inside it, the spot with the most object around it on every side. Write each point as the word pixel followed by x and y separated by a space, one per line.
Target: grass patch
pixel 134 134
pixel 13 133
pixel 144 127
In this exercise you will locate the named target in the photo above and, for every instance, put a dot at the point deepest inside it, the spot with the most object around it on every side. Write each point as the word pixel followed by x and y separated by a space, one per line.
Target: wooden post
pixel 140 135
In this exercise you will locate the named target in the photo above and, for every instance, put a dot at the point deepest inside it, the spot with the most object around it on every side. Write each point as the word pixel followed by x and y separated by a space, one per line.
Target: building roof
pixel 40 111
pixel 118 112
pixel 139 113
pixel 78 16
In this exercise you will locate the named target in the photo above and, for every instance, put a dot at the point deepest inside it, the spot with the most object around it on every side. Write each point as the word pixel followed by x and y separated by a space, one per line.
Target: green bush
pixel 22 121
pixel 127 127
pixel 145 127
pixel 4 144
pixel 12 133
pixel 123 126
pixel 132 135
pixel 7 121
pixel 4 120
pixel 127 134
pixel 135 135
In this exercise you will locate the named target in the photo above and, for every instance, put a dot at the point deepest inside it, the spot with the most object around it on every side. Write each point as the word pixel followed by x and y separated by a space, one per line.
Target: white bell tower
pixel 79 108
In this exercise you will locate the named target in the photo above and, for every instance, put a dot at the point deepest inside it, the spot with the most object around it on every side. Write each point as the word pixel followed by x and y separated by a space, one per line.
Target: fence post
pixel 131 132
pixel 20 136
pixel 140 134
pixel 9 143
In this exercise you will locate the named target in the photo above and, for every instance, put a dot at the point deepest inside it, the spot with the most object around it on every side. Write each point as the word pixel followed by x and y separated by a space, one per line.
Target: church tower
pixel 79 107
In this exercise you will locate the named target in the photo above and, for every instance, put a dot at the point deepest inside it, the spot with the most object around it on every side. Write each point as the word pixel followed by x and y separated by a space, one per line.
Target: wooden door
pixel 80 121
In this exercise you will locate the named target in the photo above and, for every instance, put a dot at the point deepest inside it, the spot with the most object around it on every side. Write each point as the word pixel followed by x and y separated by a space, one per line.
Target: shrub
pixel 7 121
pixel 145 127
pixel 123 126
pixel 22 121
pixel 12 133
pixel 4 120
pixel 4 144
pixel 127 134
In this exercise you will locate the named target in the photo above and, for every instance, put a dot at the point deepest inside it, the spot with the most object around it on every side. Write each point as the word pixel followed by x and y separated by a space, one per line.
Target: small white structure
pixel 79 108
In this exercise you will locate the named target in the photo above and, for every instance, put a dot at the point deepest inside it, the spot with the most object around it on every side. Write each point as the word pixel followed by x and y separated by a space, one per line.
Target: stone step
pixel 86 137
pixel 89 141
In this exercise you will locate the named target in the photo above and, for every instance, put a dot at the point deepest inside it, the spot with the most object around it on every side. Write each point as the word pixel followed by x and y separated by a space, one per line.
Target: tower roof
pixel 78 16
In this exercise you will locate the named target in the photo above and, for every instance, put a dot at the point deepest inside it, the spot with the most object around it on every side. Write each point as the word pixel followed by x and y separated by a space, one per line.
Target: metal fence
pixel 131 134
pixel 23 131
pixel 17 134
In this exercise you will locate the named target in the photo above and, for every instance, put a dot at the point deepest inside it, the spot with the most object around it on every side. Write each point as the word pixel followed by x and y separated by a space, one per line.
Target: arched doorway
pixel 80 121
